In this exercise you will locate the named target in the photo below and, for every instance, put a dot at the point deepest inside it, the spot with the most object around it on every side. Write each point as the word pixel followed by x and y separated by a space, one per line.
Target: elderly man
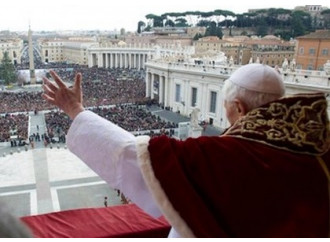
pixel 267 176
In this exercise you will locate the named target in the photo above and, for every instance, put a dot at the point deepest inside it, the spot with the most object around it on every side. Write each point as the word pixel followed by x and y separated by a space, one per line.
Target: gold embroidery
pixel 297 123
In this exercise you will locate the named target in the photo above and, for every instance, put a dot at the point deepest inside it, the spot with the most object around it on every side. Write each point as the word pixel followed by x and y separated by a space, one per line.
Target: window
pixel 177 92
pixel 193 96
pixel 213 102
pixel 312 51
pixel 325 52
pixel 301 50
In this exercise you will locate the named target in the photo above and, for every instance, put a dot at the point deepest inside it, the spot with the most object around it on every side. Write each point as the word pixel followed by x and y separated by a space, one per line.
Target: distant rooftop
pixel 319 34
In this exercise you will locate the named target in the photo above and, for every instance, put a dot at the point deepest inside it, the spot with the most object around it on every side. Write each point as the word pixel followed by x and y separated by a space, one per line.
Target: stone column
pixel 90 60
pixel 148 74
pixel 139 61
pixel 134 61
pixel 116 60
pixel 152 86
pixel 161 90
pixel 129 61
pixel 113 60
pixel 166 84
pixel 99 60
pixel 110 60
pixel 142 60
pixel 106 60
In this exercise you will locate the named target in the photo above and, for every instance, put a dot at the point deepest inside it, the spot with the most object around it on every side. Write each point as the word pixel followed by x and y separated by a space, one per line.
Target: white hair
pixel 251 99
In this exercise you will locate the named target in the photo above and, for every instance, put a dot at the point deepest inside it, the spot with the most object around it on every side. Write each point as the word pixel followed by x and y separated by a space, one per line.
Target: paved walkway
pixel 37 124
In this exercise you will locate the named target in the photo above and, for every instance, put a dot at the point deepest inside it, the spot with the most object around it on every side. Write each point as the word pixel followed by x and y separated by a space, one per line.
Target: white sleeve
pixel 110 151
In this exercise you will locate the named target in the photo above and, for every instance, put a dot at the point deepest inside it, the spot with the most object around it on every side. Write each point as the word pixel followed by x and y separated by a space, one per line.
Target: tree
pixel 181 22
pixel 7 69
pixel 169 23
pixel 213 30
pixel 301 23
pixel 203 23
pixel 287 23
pixel 197 36
pixel 262 28
pixel 148 28
pixel 141 25
pixel 157 21
pixel 326 17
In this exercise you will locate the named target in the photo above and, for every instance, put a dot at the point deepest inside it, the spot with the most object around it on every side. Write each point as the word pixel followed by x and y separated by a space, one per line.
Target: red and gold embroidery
pixel 298 123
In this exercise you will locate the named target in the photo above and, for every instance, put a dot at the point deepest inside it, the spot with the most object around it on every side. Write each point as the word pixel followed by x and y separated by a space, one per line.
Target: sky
pixel 17 15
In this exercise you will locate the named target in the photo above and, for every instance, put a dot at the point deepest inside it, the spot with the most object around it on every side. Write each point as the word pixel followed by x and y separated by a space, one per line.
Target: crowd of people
pixel 124 88
pixel 133 118
pixel 58 124
pixel 101 87
pixel 22 101
pixel 128 116
pixel 13 125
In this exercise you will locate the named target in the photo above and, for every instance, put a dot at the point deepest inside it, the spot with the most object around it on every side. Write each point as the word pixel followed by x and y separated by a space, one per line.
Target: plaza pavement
pixel 43 180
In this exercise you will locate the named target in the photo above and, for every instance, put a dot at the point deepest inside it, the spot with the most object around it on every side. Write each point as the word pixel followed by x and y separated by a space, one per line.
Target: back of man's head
pixel 255 85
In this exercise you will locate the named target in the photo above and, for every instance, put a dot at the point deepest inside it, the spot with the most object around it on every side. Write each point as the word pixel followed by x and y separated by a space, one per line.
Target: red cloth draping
pixel 117 221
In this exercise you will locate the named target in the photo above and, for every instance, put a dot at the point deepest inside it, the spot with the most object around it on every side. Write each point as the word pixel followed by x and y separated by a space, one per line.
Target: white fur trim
pixel 156 189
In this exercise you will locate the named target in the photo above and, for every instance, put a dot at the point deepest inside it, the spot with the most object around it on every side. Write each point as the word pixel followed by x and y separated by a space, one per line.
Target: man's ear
pixel 240 107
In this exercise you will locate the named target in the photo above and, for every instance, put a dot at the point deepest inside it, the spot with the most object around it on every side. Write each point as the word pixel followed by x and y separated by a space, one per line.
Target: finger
pixel 49 84
pixel 48 98
pixel 48 91
pixel 77 82
pixel 57 79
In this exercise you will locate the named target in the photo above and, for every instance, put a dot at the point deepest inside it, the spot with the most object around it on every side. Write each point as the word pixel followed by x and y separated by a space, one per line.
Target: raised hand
pixel 69 99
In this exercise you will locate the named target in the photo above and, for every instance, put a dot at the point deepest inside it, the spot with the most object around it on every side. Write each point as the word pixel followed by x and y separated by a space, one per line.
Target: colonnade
pixel 118 59
pixel 164 90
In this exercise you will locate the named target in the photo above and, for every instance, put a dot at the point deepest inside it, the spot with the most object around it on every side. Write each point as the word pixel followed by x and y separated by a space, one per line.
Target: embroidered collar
pixel 298 123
